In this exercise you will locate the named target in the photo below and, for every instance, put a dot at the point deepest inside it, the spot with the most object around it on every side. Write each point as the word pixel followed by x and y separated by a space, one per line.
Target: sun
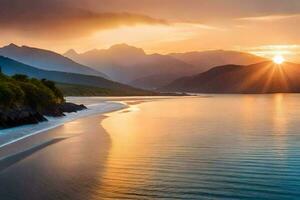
pixel 278 59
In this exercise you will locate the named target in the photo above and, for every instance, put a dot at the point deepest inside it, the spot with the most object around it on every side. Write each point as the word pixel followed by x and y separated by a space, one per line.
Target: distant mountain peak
pixel 46 60
pixel 11 45
pixel 70 53
pixel 126 49
pixel 122 45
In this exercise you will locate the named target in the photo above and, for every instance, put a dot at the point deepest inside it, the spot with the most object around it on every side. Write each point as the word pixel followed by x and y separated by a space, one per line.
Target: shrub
pixel 19 90
pixel 20 77
pixel 37 97
pixel 10 94
pixel 51 85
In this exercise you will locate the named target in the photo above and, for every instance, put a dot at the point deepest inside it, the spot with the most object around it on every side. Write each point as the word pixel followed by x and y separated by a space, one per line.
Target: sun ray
pixel 268 81
pixel 283 78
pixel 255 77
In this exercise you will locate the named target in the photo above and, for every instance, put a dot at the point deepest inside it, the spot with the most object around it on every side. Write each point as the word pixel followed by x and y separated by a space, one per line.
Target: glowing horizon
pixel 173 26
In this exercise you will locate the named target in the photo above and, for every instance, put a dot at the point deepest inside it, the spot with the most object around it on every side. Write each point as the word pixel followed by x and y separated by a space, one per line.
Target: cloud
pixel 156 25
pixel 289 51
pixel 269 18
pixel 203 11
pixel 62 19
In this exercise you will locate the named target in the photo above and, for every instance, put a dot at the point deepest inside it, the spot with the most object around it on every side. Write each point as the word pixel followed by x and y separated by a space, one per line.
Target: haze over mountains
pixel 131 65
pixel 11 67
pixel 126 64
pixel 265 77
pixel 47 60
pixel 205 60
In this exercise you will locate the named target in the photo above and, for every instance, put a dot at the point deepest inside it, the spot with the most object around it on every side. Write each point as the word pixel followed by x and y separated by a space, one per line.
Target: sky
pixel 263 27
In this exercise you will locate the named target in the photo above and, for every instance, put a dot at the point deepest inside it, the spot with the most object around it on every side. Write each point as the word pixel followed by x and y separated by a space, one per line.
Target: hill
pixel 265 77
pixel 153 82
pixel 11 67
pixel 84 90
pixel 205 60
pixel 47 60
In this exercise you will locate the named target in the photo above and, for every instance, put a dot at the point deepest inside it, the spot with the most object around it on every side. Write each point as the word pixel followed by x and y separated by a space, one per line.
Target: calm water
pixel 214 147
pixel 219 147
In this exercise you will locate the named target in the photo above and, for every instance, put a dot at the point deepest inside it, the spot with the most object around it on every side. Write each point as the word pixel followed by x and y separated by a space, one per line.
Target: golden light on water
pixel 278 59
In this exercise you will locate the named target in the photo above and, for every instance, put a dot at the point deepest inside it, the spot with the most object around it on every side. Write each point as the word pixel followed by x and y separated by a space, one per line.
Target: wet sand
pixel 63 163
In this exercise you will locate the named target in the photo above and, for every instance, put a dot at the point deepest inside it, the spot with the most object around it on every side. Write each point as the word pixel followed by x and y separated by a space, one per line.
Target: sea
pixel 202 147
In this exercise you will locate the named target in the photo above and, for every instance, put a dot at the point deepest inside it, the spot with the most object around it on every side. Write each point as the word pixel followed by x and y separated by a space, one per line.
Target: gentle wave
pixel 195 149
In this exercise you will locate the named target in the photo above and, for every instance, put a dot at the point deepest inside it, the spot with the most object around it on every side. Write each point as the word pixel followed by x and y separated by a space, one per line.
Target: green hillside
pixel 11 67
pixel 81 90
pixel 19 91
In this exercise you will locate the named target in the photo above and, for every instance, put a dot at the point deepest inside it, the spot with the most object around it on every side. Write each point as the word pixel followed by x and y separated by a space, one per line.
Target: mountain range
pixel 11 67
pixel 264 77
pixel 128 64
pixel 180 72
pixel 46 60
pixel 206 60
pixel 131 65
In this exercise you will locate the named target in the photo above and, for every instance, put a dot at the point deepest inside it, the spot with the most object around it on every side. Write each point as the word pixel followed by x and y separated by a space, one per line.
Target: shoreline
pixel 69 158
pixel 43 137
pixel 112 107
pixel 106 105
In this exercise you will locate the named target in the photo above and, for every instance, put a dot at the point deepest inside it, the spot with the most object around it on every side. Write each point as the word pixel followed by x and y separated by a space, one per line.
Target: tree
pixel 20 77
pixel 10 94
pixel 55 90
pixel 21 91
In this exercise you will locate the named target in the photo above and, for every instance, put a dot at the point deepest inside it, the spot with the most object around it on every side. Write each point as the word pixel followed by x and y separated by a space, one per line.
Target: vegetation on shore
pixel 26 100
pixel 19 91
pixel 82 90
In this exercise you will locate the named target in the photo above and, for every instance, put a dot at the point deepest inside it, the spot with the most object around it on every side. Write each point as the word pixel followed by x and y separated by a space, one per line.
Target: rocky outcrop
pixel 71 107
pixel 22 116
pixel 59 110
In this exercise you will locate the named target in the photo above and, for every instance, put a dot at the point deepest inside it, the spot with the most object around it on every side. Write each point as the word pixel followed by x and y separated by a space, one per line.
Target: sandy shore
pixel 63 163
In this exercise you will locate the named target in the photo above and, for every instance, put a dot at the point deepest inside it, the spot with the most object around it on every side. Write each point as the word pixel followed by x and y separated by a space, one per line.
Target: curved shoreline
pixel 109 105
pixel 56 163
pixel 106 107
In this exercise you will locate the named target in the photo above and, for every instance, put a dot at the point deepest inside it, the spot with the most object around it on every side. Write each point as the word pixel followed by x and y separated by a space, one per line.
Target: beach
pixel 66 153
pixel 69 158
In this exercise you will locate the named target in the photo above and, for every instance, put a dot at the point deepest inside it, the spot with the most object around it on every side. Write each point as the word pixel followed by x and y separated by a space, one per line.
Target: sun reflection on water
pixel 158 147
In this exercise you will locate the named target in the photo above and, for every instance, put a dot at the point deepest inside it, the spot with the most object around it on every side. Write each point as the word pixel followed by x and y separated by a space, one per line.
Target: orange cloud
pixel 57 19
pixel 269 18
